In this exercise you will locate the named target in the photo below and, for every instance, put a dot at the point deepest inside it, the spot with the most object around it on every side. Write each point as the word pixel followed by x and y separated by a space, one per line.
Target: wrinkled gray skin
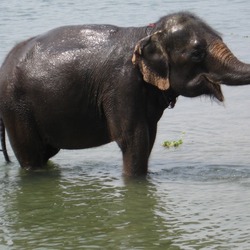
pixel 78 87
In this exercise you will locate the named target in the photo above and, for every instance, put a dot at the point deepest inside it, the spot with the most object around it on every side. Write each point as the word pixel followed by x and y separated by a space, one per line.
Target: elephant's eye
pixel 198 52
pixel 198 55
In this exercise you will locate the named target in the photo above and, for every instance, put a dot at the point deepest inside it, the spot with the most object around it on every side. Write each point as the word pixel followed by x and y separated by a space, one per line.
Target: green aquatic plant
pixel 170 144
pixel 173 144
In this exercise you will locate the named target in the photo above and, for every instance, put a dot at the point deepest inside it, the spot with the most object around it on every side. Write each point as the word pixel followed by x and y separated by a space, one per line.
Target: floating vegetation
pixel 174 144
pixel 170 144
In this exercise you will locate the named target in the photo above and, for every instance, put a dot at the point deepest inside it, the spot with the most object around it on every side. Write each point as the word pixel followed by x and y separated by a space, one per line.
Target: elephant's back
pixel 74 46
pixel 74 37
pixel 70 60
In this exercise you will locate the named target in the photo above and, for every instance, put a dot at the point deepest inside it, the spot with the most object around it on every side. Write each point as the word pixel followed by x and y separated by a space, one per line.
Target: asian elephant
pixel 77 87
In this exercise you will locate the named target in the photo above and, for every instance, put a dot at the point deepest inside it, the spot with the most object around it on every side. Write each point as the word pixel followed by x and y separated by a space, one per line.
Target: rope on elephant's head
pixel 150 28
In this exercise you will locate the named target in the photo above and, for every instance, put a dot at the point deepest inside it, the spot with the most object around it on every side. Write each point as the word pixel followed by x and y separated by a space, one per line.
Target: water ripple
pixel 207 173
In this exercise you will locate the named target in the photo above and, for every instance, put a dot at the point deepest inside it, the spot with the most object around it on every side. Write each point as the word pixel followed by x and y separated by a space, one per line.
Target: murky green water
pixel 93 207
pixel 195 197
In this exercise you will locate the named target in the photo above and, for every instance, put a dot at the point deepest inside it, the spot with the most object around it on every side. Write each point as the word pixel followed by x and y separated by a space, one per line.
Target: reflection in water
pixel 87 207
pixel 29 202
pixel 47 209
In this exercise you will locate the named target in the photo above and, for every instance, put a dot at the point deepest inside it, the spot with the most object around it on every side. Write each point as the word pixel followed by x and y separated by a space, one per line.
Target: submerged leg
pixel 136 150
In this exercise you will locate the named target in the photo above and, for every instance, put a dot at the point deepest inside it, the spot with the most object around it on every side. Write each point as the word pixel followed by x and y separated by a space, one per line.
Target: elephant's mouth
pixel 204 84
pixel 215 88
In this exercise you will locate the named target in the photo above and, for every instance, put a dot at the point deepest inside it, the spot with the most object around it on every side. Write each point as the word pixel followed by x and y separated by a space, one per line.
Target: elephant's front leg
pixel 135 146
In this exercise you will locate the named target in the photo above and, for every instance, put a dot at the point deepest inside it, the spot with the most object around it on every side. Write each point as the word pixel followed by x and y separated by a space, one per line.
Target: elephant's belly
pixel 70 135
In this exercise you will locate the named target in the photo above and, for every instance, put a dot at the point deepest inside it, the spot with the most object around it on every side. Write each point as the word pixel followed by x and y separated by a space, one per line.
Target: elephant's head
pixel 188 56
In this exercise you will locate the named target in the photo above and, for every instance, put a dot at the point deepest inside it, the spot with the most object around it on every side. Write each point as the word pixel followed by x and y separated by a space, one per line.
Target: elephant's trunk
pixel 227 68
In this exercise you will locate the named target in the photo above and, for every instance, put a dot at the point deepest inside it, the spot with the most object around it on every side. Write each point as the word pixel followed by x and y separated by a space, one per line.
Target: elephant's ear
pixel 153 63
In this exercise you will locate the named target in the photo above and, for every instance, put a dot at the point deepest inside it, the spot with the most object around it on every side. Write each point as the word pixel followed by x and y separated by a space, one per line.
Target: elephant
pixel 83 86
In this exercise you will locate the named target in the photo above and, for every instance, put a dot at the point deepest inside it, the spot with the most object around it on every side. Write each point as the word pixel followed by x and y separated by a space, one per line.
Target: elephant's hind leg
pixel 26 142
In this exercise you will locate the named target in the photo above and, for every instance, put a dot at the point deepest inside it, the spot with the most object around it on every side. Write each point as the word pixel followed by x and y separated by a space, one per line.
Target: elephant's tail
pixel 3 143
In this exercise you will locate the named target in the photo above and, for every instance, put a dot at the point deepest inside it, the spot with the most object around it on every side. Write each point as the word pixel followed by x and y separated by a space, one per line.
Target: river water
pixel 196 196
